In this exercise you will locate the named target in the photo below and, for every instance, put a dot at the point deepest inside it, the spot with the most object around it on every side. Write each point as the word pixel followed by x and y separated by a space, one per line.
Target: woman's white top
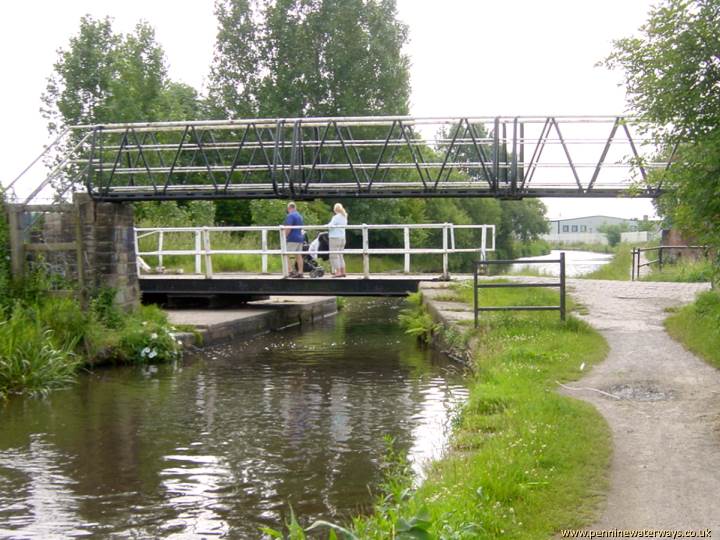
pixel 337 226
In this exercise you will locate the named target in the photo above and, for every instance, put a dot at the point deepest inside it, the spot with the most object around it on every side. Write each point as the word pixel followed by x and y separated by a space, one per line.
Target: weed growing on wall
pixel 5 276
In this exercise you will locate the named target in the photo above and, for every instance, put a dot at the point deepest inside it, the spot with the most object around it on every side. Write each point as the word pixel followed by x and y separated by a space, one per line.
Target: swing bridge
pixel 505 157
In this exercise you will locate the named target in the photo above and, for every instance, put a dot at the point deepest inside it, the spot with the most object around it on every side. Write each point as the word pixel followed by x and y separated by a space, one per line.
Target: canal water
pixel 577 263
pixel 221 444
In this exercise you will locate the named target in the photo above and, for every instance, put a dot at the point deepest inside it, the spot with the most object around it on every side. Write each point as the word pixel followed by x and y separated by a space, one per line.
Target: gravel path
pixel 665 416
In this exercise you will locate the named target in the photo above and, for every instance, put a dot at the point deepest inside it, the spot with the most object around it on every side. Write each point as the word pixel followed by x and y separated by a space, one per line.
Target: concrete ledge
pixel 453 317
pixel 261 317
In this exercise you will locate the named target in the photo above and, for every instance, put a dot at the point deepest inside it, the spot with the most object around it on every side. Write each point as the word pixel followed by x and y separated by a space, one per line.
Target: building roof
pixel 594 216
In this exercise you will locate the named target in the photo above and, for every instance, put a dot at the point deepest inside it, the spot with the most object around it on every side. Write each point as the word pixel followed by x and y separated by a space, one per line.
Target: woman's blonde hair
pixel 339 208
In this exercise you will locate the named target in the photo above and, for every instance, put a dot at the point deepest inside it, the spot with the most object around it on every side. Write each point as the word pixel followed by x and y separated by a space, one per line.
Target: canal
pixel 222 443
pixel 577 263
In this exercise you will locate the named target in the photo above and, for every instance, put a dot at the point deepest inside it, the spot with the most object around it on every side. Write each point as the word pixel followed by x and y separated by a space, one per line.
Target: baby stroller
pixel 310 254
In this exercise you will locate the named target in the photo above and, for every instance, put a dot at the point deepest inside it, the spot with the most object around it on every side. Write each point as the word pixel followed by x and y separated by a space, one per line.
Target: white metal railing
pixel 203 248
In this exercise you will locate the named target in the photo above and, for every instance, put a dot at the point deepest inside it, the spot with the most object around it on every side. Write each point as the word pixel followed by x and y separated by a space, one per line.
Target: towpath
pixel 662 404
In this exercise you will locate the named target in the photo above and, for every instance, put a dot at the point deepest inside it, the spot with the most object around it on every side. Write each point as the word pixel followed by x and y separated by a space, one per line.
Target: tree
pixel 613 232
pixel 672 75
pixel 309 58
pixel 106 77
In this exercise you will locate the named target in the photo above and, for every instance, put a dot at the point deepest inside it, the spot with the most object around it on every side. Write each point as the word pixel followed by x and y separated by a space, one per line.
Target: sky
pixel 468 57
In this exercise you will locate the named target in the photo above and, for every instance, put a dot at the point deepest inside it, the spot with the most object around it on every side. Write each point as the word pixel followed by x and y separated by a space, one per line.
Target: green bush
pixel 45 339
pixel 697 326
pixel 5 276
pixel 416 320
pixel 683 271
pixel 32 359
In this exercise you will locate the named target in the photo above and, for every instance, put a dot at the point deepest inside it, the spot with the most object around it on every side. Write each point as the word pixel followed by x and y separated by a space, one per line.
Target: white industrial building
pixel 586 229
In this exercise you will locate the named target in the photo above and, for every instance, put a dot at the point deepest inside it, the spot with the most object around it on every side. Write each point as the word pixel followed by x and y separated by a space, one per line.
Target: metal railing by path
pixel 368 157
pixel 637 263
pixel 203 250
pixel 477 308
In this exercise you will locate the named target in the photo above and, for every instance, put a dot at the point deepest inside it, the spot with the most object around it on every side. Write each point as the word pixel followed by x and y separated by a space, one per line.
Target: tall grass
pixel 45 340
pixel 687 271
pixel 33 358
pixel 617 269
pixel 697 326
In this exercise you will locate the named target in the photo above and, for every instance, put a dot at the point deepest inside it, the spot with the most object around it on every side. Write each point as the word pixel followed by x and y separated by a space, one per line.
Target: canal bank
pixel 524 461
pixel 227 440
pixel 255 318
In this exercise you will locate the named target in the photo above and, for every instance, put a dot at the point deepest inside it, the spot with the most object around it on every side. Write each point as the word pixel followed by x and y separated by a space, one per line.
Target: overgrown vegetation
pixel 687 271
pixel 45 338
pixel 618 268
pixel 4 253
pixel 697 326
pixel 416 320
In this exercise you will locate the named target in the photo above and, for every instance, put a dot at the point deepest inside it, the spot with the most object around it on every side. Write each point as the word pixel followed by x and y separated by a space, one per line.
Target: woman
pixel 336 237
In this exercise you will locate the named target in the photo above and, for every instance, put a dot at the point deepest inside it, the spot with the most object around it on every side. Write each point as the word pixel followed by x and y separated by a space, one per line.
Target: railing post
pixel 562 286
pixel 475 292
pixel 406 235
pixel 660 261
pixel 264 246
pixel 283 251
pixel 366 254
pixel 160 248
pixel 198 252
pixel 632 267
pixel 445 251
pixel 208 255
pixel 138 266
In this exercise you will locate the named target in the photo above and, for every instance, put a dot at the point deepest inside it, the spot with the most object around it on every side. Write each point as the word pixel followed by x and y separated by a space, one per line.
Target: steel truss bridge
pixel 366 157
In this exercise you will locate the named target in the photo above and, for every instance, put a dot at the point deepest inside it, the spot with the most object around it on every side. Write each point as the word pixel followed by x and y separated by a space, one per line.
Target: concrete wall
pixel 638 236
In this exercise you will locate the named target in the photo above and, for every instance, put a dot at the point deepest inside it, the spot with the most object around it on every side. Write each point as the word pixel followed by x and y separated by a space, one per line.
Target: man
pixel 294 240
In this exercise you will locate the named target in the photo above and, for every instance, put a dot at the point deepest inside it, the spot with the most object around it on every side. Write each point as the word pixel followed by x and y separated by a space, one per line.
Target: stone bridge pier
pixel 90 244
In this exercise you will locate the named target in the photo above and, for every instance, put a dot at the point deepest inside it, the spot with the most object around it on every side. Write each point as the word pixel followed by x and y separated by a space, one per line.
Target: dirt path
pixel 665 470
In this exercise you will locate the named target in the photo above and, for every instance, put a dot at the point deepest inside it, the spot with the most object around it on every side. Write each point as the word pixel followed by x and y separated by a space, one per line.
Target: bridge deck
pixel 274 284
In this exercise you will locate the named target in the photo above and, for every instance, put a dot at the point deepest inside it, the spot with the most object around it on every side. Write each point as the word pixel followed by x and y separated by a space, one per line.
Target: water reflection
pixel 577 263
pixel 219 445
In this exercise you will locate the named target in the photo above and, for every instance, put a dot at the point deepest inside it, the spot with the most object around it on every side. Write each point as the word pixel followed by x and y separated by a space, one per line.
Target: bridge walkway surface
pixel 259 284
pixel 662 404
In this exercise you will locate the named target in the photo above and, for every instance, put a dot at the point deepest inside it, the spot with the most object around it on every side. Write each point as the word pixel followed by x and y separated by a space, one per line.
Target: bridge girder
pixel 366 157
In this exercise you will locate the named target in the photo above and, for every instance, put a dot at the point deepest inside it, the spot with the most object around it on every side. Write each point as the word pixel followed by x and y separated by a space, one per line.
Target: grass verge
pixel 684 271
pixel 617 269
pixel 697 326
pixel 524 461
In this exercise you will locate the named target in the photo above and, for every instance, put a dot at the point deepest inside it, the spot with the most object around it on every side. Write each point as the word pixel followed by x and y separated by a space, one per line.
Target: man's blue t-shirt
pixel 294 218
